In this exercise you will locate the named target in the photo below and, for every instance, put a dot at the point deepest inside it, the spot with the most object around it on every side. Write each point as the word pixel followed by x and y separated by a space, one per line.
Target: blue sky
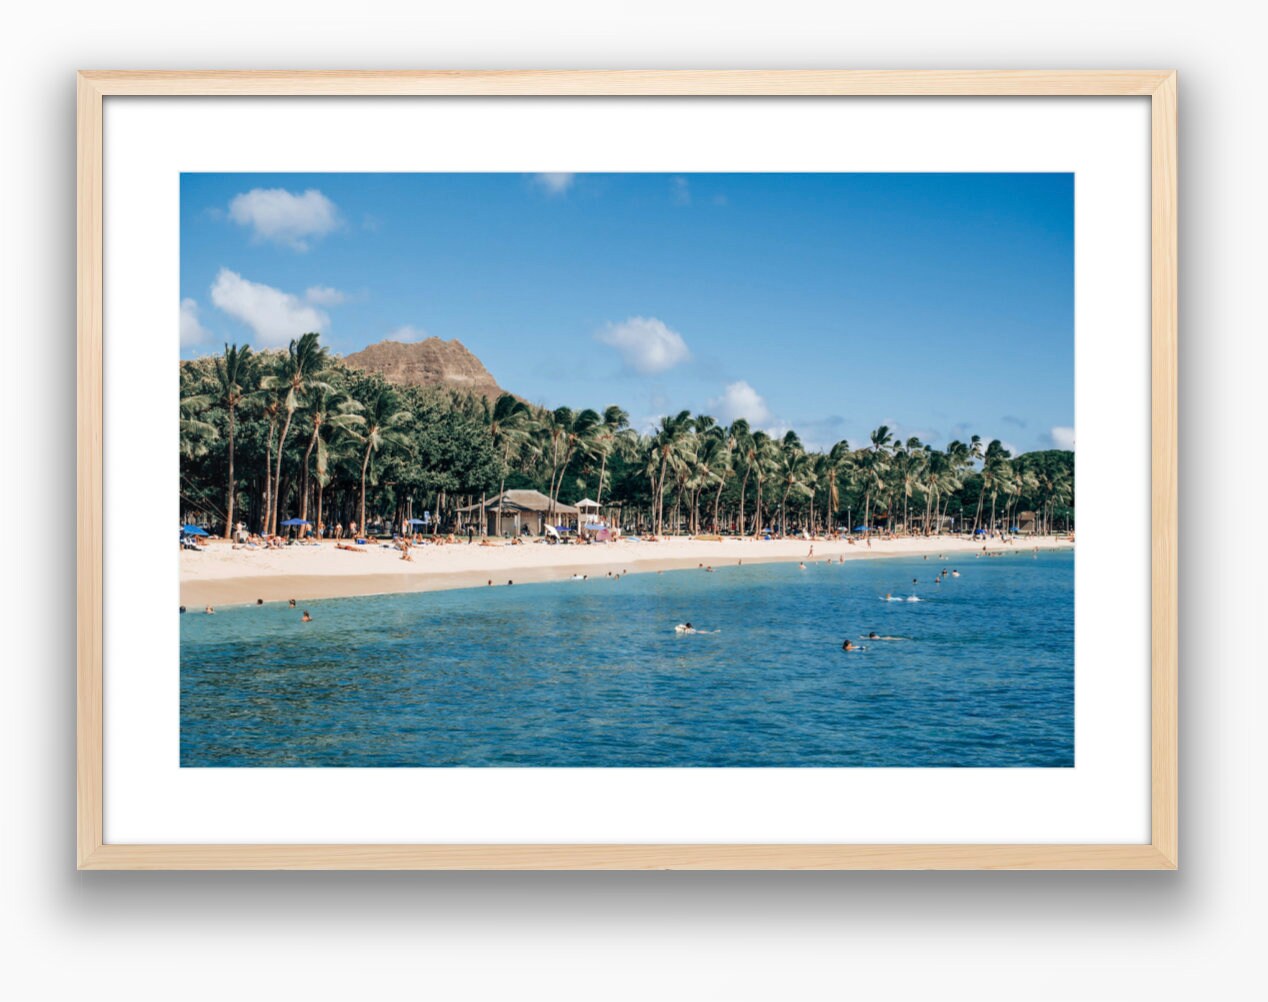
pixel 939 304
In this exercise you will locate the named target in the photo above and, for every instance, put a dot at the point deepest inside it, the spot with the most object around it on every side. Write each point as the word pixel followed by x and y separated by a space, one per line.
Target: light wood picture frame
pixel 1159 853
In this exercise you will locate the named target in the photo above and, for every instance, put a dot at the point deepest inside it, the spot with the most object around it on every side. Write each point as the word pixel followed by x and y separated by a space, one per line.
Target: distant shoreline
pixel 223 576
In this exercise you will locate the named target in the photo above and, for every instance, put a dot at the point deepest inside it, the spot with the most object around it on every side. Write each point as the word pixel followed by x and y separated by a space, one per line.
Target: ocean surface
pixel 592 673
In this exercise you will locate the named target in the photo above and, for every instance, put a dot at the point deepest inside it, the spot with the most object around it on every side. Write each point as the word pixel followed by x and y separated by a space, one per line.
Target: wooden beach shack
pixel 520 512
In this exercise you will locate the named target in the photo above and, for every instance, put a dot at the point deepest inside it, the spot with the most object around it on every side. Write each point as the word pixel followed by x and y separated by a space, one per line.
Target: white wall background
pixel 1191 934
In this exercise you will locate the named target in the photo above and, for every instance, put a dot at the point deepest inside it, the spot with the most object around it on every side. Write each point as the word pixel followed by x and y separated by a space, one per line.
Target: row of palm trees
pixel 688 472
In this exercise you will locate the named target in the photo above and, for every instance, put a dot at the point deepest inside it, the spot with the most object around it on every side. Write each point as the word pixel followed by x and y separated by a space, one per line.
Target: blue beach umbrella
pixel 193 530
pixel 979 532
pixel 860 528
pixel 296 521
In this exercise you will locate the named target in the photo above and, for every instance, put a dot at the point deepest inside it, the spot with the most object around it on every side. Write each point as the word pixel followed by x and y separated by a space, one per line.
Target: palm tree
pixel 383 424
pixel 509 421
pixel 872 463
pixel 791 467
pixel 271 406
pixel 994 466
pixel 667 444
pixel 837 459
pixel 300 371
pixel 343 438
pixel 326 407
pixel 196 434
pixel 236 374
pixel 742 437
pixel 762 453
pixel 612 435
pixel 570 433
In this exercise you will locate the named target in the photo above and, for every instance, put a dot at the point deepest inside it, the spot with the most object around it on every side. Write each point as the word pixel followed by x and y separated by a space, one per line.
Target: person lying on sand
pixel 348 547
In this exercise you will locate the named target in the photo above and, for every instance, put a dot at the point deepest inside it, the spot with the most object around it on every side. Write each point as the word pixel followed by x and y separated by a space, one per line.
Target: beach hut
pixel 522 510
pixel 588 510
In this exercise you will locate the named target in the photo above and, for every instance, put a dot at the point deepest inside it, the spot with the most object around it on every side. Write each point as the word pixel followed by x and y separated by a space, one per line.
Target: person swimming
pixel 684 628
pixel 851 646
pixel 914 598
pixel 306 618
pixel 291 603
pixel 955 574
pixel 876 636
pixel 802 565
pixel 209 611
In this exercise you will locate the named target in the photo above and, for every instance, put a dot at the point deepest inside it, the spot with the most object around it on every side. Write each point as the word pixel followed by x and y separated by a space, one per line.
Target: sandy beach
pixel 223 575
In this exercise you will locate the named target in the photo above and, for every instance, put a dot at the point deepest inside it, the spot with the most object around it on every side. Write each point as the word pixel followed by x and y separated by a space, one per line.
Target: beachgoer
pixel 802 565
pixel 955 574
pixel 182 610
pixel 306 618
pixel 209 611
pixel 259 601
pixel 850 646
pixel 291 603
pixel 684 628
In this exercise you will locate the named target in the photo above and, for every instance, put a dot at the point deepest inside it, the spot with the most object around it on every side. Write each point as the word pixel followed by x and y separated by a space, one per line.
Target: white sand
pixel 222 575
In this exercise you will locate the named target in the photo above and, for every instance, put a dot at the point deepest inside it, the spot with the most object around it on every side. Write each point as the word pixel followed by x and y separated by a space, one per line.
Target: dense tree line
pixel 269 436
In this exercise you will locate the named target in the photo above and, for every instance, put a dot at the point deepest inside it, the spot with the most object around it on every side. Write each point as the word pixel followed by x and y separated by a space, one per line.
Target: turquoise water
pixel 592 674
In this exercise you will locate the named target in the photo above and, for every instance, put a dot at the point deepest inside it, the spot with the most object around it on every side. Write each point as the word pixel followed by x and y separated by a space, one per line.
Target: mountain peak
pixel 430 362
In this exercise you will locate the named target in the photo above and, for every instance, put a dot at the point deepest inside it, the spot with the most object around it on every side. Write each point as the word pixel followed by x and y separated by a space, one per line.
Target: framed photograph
pixel 627 470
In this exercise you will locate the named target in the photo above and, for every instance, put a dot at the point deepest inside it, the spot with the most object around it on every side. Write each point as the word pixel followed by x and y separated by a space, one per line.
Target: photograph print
pixel 626 470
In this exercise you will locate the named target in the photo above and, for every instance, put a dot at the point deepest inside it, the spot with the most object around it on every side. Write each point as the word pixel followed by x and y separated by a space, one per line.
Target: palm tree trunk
pixel 277 480
pixel 229 503
pixel 365 464
pixel 603 466
pixel 303 505
pixel 268 480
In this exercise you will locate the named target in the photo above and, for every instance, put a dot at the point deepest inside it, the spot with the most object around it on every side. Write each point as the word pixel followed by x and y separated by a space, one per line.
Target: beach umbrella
pixel 860 528
pixel 979 532
pixel 193 530
pixel 296 521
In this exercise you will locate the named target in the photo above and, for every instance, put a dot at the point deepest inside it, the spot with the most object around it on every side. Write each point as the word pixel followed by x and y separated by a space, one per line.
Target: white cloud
pixel 192 330
pixel 324 295
pixel 407 332
pixel 1062 438
pixel 279 216
pixel 645 344
pixel 556 183
pixel 739 400
pixel 274 315
pixel 680 191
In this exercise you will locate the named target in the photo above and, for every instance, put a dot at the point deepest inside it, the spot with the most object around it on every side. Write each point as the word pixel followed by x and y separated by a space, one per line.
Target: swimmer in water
pixel 851 646
pixel 876 636
pixel 802 566
pixel 306 618
pixel 955 574
pixel 209 611
pixel 684 628
pixel 259 601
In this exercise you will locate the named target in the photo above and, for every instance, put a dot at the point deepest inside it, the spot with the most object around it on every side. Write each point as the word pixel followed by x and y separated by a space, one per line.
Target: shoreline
pixel 224 576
